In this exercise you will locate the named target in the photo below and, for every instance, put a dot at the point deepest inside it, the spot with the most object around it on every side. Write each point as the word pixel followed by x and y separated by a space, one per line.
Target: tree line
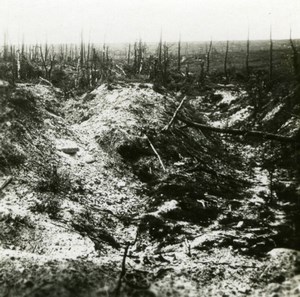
pixel 84 65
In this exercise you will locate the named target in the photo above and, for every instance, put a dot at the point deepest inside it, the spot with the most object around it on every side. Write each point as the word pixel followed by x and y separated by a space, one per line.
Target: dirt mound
pixel 128 122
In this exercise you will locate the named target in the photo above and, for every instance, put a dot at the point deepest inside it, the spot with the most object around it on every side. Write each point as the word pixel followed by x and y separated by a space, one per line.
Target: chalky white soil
pixel 201 266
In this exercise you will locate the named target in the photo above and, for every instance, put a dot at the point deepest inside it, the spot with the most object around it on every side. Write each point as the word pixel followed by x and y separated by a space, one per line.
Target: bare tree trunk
pixel 271 59
pixel 107 53
pixel 5 47
pixel 23 47
pixel 247 56
pixel 87 65
pixel 103 53
pixel 47 60
pixel 52 61
pixel 129 53
pixel 165 62
pixel 179 56
pixel 78 73
pixel 208 53
pixel 81 53
pixel 140 56
pixel 225 62
pixel 296 62
pixel 135 59
pixel 44 57
pixel 201 75
pixel 18 64
pixel 13 59
pixel 160 52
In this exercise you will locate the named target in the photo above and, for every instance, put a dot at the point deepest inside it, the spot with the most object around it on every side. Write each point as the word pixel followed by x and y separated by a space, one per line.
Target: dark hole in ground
pixel 132 152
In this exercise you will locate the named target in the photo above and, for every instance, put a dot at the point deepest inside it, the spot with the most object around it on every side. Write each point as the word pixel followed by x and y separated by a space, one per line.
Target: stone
pixel 47 123
pixel 67 146
pixel 90 159
pixel 70 150
pixel 121 184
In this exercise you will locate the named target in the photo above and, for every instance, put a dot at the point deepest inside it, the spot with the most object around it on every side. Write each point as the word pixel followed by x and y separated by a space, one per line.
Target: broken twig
pixel 121 69
pixel 156 153
pixel 167 127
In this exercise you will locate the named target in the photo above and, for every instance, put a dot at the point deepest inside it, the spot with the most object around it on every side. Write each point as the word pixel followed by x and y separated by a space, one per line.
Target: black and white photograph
pixel 149 148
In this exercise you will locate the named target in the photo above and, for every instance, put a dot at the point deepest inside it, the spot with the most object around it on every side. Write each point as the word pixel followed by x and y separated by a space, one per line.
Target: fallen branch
pixel 156 153
pixel 121 69
pixel 6 183
pixel 245 133
pixel 167 127
pixel 46 81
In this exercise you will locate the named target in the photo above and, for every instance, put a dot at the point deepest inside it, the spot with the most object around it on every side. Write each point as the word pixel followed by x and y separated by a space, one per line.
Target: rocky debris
pixel 67 146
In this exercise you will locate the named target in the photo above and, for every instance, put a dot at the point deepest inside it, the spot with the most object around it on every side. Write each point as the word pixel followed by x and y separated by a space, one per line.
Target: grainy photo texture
pixel 149 148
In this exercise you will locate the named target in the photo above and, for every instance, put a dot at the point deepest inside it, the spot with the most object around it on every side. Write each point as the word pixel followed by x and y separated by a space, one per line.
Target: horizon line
pixel 150 42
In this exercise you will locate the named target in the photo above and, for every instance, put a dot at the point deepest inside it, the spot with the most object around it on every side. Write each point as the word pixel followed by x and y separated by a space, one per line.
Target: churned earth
pixel 106 201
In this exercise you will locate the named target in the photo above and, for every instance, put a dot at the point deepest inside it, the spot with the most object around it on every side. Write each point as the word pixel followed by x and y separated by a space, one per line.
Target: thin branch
pixel 167 127
pixel 121 69
pixel 156 153
pixel 46 81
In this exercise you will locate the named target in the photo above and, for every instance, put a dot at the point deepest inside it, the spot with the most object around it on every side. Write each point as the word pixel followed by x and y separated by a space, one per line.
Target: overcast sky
pixel 127 20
